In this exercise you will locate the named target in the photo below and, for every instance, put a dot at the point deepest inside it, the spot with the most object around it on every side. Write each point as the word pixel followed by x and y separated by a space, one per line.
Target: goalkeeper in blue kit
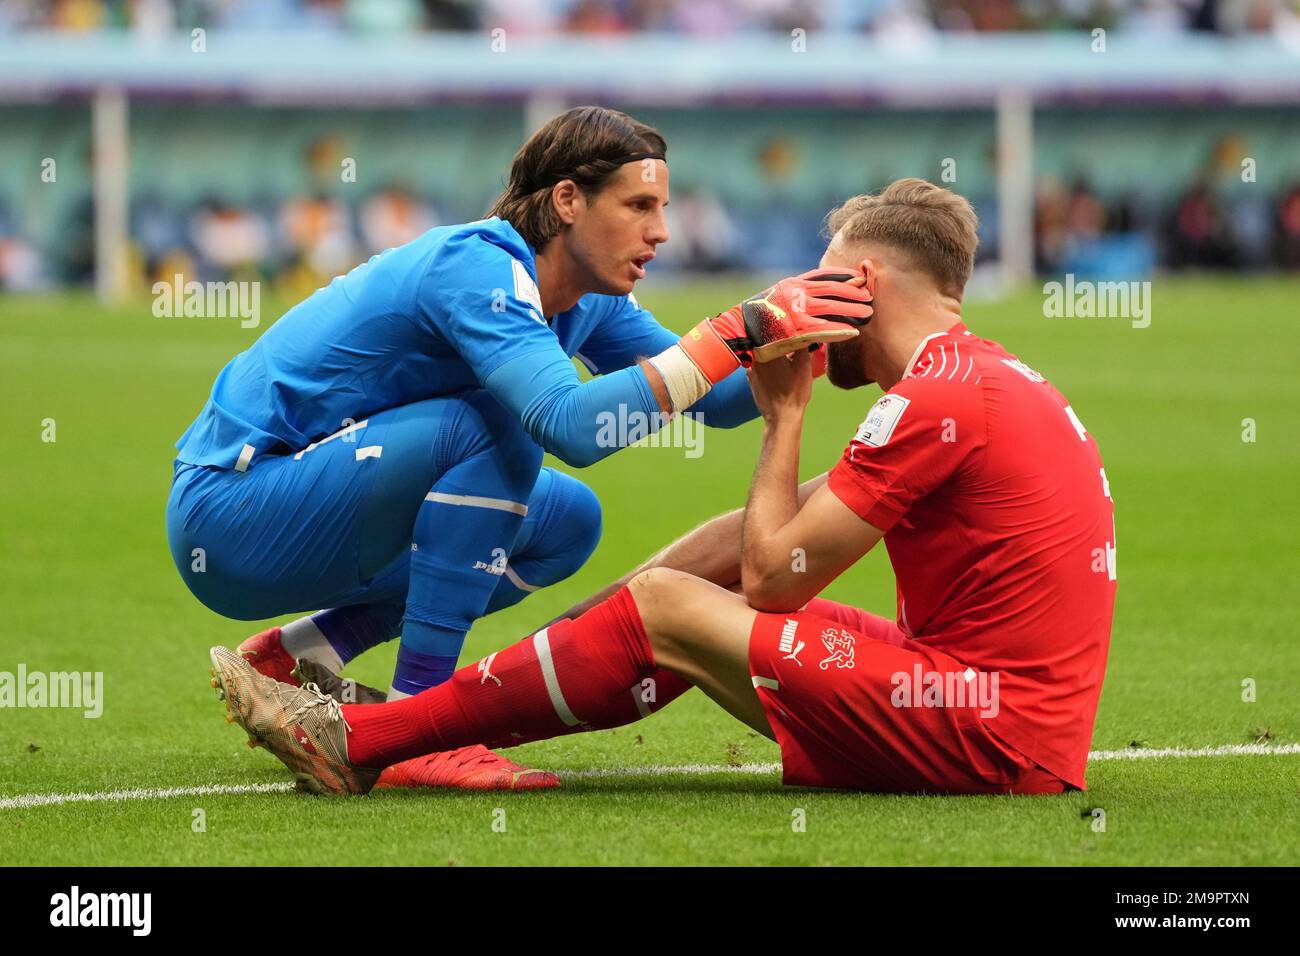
pixel 377 453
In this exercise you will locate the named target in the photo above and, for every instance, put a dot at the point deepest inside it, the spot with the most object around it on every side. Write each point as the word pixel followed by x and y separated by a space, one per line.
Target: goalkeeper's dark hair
pixel 936 226
pixel 587 144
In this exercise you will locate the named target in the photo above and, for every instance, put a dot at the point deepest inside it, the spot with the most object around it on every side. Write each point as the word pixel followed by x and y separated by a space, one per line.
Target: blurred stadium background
pixel 287 140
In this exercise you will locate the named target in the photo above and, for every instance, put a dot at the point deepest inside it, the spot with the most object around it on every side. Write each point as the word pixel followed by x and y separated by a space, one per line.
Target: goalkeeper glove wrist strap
pixel 698 361
pixel 713 355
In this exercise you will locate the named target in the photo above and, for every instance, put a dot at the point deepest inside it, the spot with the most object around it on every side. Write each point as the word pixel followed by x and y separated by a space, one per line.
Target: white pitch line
pixel 107 796
pixel 1133 753
pixel 24 801
pixel 1224 750
pixel 668 771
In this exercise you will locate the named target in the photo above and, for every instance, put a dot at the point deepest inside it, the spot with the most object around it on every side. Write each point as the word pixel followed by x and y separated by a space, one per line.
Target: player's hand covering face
pixel 820 306
pixel 783 386
pixel 845 360
pixel 816 307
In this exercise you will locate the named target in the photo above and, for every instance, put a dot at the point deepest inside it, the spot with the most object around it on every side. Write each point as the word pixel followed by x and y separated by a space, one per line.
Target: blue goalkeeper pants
pixel 432 514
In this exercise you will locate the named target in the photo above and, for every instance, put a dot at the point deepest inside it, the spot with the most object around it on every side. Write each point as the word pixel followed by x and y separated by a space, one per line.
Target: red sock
pixel 571 676
pixel 647 696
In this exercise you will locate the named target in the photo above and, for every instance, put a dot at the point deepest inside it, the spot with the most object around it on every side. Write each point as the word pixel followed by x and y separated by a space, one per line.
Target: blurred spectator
pixel 296 15
pixel 1152 17
pixel 520 17
pixel 324 158
pixel 1051 234
pixel 393 217
pixel 79 16
pixel 702 234
pixel 595 16
pixel 21 269
pixel 705 18
pixel 229 239
pixel 1085 216
pixel 317 231
pixel 907 23
pixel 77 243
pixel 1287 229
pixel 1199 233
pixel 158 230
pixel 453 14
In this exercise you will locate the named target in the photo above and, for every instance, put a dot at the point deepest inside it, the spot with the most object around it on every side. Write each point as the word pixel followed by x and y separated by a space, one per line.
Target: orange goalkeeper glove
pixel 802 311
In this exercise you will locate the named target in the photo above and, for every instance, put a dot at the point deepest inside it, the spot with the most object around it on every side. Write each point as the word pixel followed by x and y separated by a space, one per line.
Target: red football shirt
pixel 1000 528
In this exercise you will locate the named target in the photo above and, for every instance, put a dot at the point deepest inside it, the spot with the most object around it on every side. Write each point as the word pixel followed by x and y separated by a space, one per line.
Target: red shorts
pixel 827 679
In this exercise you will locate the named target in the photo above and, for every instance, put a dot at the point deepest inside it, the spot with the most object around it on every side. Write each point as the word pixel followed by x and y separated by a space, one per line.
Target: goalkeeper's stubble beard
pixel 598 269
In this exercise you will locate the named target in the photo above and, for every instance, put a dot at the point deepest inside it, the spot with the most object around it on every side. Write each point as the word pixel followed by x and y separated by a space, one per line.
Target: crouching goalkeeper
pixel 994 505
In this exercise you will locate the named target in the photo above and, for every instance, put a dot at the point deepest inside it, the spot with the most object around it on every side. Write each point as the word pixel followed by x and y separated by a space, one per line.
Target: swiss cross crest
pixel 839 645
pixel 303 740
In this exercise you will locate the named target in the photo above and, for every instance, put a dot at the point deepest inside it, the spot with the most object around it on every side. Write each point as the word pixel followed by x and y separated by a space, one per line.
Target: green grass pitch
pixel 1208 572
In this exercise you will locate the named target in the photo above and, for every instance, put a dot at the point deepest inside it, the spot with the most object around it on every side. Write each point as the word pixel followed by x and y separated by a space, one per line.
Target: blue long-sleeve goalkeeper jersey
pixel 456 308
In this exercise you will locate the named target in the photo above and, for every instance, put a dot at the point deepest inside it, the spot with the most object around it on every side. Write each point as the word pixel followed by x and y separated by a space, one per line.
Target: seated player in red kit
pixel 996 513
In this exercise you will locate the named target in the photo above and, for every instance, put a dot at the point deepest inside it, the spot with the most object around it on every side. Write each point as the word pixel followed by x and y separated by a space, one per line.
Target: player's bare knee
pixel 645 590
pixel 654 590
pixel 670 603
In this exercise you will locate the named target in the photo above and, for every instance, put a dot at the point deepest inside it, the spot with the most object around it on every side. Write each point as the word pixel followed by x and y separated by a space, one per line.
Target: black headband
pixel 623 161
pixel 633 157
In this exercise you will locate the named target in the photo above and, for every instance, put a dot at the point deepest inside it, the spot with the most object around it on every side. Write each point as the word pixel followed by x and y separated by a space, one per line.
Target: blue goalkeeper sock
pixel 355 629
pixel 458 557
pixel 335 636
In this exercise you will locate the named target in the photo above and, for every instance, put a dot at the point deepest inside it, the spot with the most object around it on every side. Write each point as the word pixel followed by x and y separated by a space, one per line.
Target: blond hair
pixel 934 225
